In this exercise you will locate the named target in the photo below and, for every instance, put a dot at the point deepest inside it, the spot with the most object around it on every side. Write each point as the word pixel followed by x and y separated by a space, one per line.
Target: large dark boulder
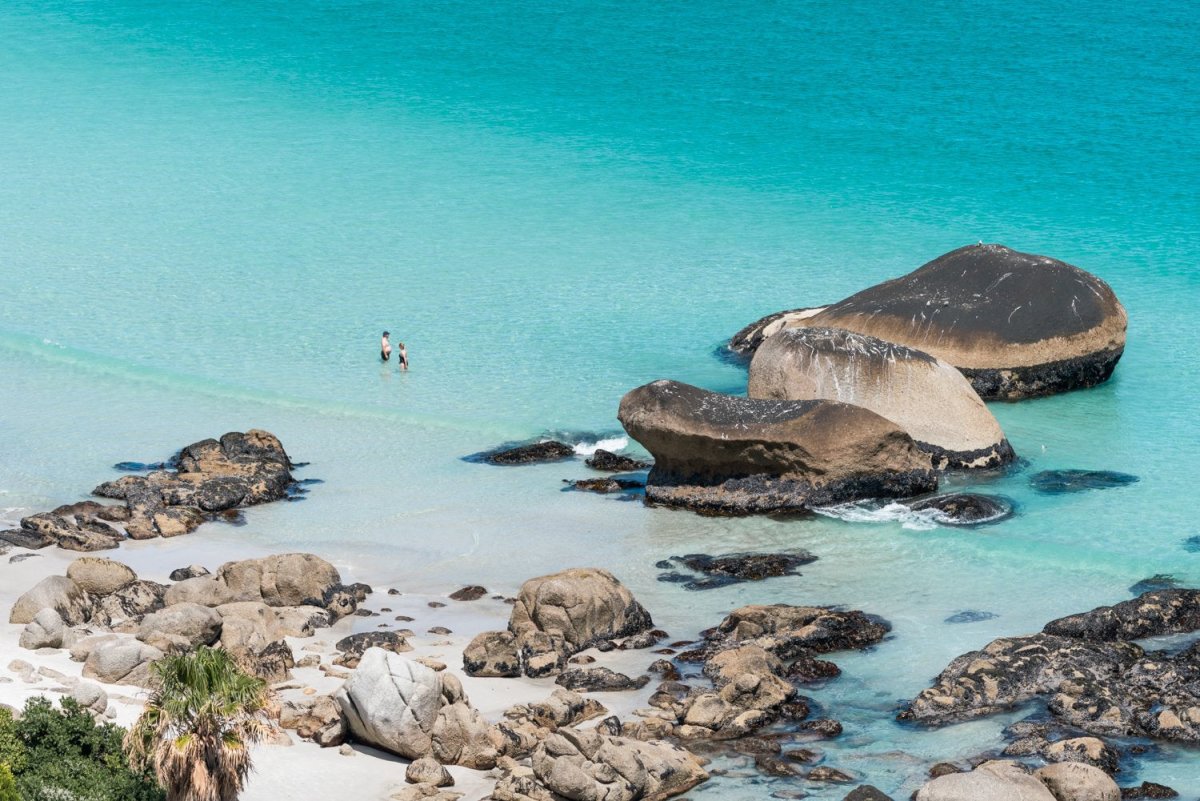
pixel 1152 614
pixel 730 455
pixel 921 393
pixel 1016 324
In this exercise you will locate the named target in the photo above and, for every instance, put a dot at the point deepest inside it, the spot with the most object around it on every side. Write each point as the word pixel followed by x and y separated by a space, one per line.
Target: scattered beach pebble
pixel 471 593
pixel 436 604
pixel 442 630
pixel 405 618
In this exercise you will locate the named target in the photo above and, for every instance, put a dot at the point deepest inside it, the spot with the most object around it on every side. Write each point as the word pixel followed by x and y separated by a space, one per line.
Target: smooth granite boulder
pixel 991 781
pixel 46 630
pixel 554 618
pixel 100 576
pixel 181 627
pixel 1074 781
pixel 922 394
pixel 392 703
pixel 588 766
pixel 730 455
pixel 282 580
pixel 53 592
pixel 1016 324
pixel 581 606
pixel 121 661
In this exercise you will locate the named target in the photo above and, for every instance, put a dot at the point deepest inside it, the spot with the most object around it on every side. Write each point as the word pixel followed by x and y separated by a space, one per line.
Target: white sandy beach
pixel 303 770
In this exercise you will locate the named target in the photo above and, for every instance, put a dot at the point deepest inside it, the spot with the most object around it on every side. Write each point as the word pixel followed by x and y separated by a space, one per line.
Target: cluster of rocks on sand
pixel 736 690
pixel 210 478
pixel 871 397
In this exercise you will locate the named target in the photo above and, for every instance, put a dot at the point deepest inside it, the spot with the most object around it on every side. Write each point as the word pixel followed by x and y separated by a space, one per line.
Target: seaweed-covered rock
pixel 924 395
pixel 545 451
pixel 613 462
pixel 1012 670
pixel 1149 615
pixel 723 454
pixel 732 568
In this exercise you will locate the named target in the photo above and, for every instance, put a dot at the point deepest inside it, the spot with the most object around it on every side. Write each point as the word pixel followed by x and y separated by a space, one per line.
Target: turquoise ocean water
pixel 209 211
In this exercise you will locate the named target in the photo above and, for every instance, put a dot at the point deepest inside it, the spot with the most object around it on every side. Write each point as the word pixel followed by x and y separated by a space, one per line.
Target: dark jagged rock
pixel 533 453
pixel 24 538
pixel 1149 615
pixel 208 477
pixel 600 679
pixel 604 486
pixel 81 533
pixel 353 647
pixel 1017 325
pixel 721 454
pixel 824 728
pixel 810 670
pixel 471 593
pixel 191 571
pixel 896 382
pixel 1159 581
pixel 791 631
pixel 965 508
pixel 867 792
pixel 1010 671
pixel 1148 790
pixel 614 463
pixel 971 616
pixel 721 571
pixel 1056 482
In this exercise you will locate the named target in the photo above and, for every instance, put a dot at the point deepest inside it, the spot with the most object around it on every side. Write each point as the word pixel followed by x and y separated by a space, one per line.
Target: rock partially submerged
pixel 611 462
pixel 733 568
pixel 745 343
pixel 924 395
pixel 964 508
pixel 728 455
pixel 212 476
pixel 1017 325
pixel 1087 670
pixel 545 451
pixel 1058 482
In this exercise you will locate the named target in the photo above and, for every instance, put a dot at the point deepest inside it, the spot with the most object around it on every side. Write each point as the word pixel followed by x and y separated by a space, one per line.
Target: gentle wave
pixel 891 512
pixel 613 444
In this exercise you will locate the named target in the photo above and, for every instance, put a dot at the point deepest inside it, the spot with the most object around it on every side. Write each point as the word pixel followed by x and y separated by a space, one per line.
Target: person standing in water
pixel 385 347
pixel 402 356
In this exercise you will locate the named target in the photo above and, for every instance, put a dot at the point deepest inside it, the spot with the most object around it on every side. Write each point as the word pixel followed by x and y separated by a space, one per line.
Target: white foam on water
pixel 892 512
pixel 613 444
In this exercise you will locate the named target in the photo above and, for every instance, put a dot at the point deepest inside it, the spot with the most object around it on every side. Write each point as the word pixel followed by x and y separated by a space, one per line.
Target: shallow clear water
pixel 208 212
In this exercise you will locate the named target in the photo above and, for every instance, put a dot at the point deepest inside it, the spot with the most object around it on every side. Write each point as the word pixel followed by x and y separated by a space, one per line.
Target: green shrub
pixel 67 754
pixel 8 786
pixel 12 749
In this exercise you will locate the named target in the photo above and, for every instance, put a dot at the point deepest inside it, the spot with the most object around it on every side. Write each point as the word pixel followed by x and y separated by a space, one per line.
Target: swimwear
pixel 383 354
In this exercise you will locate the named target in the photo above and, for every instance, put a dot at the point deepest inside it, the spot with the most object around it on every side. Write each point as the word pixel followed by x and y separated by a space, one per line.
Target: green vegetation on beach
pixel 62 752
